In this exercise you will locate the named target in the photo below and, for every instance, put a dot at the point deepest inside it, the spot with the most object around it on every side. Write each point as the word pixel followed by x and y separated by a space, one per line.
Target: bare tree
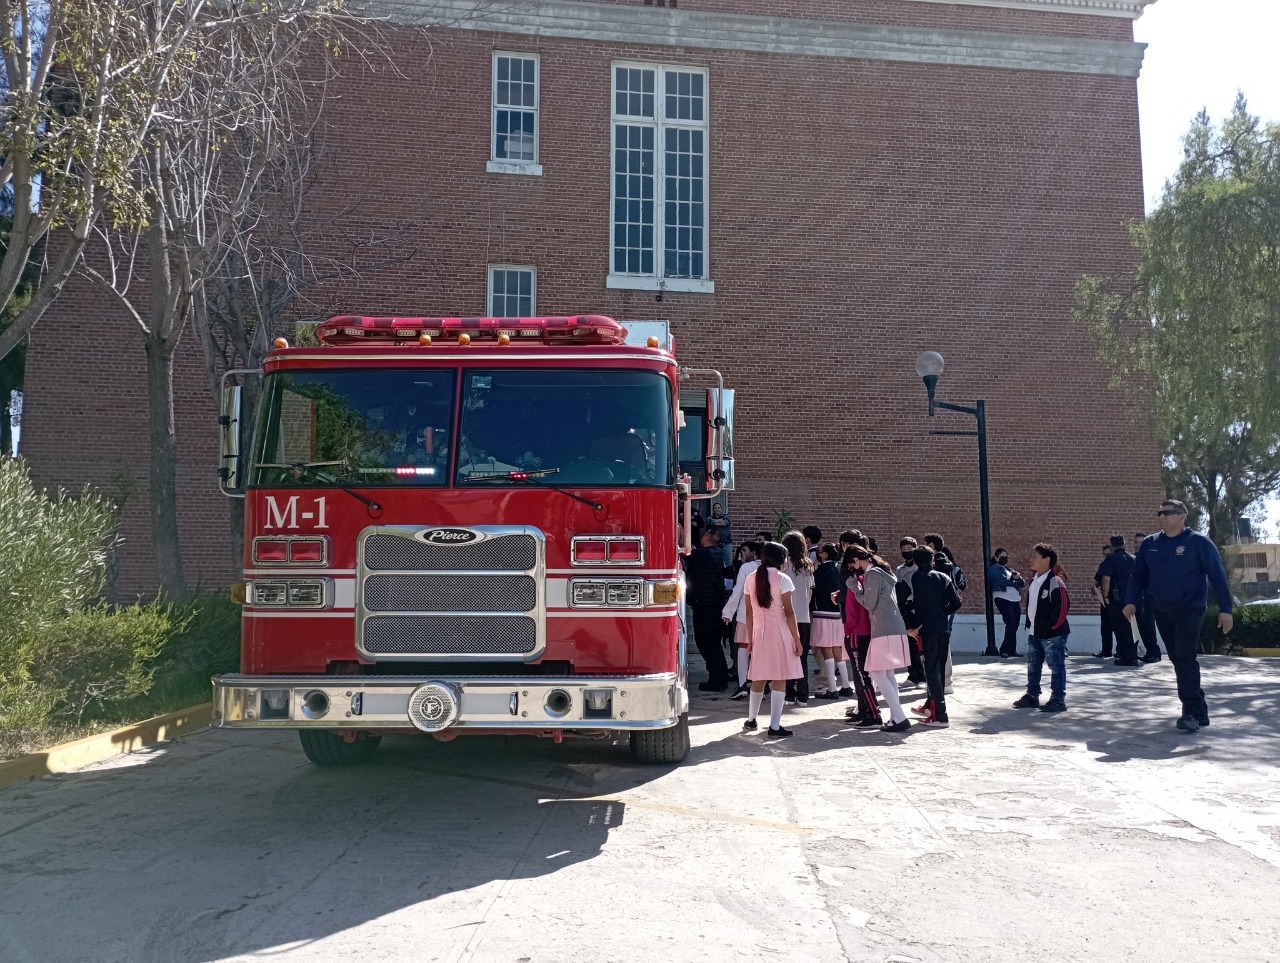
pixel 239 104
pixel 286 262
pixel 84 84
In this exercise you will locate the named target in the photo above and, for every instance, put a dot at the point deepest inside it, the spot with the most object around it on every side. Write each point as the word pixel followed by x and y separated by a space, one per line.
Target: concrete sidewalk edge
pixel 104 745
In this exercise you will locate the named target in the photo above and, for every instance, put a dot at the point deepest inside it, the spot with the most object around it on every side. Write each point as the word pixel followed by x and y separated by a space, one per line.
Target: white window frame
pixel 533 289
pixel 498 165
pixel 660 122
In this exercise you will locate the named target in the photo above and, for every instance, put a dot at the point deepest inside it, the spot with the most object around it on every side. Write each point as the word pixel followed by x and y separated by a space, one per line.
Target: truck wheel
pixel 662 745
pixel 328 749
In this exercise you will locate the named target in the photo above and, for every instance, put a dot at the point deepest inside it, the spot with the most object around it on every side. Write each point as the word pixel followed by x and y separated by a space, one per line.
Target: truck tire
pixel 662 745
pixel 329 749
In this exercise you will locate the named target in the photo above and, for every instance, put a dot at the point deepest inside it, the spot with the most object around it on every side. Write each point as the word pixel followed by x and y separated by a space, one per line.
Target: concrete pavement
pixel 1099 834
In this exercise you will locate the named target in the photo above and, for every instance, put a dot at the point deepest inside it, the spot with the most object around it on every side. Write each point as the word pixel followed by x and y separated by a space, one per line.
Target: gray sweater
pixel 877 597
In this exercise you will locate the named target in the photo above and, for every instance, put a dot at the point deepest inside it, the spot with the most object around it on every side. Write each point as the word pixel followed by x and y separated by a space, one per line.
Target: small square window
pixel 512 290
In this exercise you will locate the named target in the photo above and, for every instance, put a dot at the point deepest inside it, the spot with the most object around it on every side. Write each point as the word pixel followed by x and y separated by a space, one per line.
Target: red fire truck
pixel 466 525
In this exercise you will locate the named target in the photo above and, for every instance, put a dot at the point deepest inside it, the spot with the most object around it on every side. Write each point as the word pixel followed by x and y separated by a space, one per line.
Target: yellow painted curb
pixel 1263 653
pixel 104 745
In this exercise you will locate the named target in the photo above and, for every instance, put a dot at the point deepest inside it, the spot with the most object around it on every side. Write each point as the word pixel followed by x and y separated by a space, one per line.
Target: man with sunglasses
pixel 1174 569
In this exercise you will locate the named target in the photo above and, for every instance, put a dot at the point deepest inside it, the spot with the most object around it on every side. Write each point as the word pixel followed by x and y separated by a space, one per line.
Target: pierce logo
pixel 449 536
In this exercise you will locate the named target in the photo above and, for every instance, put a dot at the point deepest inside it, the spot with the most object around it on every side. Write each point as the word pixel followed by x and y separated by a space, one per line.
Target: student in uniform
pixel 800 567
pixel 889 649
pixel 775 638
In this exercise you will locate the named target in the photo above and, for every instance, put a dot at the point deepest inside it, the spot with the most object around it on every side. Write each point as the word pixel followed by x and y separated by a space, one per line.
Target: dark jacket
pixel 1052 607
pixel 1175 572
pixel 826 579
pixel 704 577
pixel 935 599
pixel 1119 566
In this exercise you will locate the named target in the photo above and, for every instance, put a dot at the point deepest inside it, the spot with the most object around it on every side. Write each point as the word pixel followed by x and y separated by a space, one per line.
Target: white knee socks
pixel 830 666
pixel 887 683
pixel 843 666
pixel 753 704
pixel 744 657
pixel 776 698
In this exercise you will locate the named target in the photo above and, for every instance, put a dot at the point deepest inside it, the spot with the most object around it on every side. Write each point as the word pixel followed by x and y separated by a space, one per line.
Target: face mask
pixel 906 556
pixel 1002 559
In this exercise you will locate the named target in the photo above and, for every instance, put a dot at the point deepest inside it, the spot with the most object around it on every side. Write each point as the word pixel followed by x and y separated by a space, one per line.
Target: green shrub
pixel 1256 627
pixel 96 657
pixel 54 557
pixel 205 643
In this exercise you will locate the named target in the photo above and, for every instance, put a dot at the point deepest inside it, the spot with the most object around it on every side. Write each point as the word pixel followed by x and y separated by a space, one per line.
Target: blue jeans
pixel 1053 651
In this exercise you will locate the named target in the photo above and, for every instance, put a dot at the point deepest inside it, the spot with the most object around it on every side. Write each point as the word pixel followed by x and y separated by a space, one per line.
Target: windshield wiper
pixel 312 468
pixel 534 478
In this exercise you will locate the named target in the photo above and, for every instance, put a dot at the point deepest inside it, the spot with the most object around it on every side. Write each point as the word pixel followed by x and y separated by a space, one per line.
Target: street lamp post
pixel 929 367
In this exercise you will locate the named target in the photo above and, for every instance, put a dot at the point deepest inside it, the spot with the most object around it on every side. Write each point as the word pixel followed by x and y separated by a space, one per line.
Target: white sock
pixel 887 683
pixel 753 704
pixel 743 658
pixel 843 666
pixel 776 699
pixel 830 666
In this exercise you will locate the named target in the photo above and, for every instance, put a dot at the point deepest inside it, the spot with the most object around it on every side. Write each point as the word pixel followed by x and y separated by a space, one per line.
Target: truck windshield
pixel 570 426
pixel 360 427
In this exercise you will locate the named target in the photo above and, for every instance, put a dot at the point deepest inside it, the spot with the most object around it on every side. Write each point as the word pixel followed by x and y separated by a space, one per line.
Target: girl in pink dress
pixel 775 638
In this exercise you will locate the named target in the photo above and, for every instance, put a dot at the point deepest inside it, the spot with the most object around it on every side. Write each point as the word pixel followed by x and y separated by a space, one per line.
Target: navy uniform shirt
pixel 1175 573
pixel 1119 566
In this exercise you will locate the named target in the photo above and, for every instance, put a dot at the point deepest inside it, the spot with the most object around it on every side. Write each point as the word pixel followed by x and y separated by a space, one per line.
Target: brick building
pixel 810 192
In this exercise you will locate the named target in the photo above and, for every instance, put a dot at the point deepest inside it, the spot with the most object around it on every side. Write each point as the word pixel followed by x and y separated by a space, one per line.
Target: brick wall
pixel 860 212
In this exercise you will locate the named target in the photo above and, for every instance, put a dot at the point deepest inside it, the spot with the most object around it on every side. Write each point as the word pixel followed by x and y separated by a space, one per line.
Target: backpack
pixel 957 577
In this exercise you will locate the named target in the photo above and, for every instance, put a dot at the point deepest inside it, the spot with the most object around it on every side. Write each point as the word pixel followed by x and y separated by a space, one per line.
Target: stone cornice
pixel 662 26
pixel 1128 9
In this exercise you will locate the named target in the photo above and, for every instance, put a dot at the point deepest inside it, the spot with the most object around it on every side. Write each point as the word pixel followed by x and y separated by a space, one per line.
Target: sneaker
pixel 1148 659
pixel 1027 702
pixel 789 701
pixel 891 726
pixel 867 724
pixel 851 712
pixel 779 733
pixel 750 726
pixel 921 710
pixel 1204 723
pixel 1054 705
pixel 1102 655
pixel 1189 724
pixel 831 695
pixel 802 702
pixel 935 723
pixel 845 693
pixel 741 692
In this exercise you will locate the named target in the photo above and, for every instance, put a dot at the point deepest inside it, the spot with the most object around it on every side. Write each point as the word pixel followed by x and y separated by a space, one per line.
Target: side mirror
pixel 229 474
pixel 720 439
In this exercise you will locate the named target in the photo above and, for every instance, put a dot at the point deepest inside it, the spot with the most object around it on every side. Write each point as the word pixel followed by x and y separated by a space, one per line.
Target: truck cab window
pixel 365 427
pixel 572 427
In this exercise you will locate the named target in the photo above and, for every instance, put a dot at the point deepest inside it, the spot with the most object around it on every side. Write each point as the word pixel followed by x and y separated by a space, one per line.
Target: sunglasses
pixel 1168 511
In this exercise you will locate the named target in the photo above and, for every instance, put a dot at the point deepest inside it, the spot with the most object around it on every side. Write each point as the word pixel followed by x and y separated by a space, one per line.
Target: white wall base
pixel 969 634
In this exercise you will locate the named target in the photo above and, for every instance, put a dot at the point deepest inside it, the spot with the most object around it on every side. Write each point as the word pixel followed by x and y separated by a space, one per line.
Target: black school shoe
pixel 779 733
pixel 750 726
pixel 865 724
pixel 902 726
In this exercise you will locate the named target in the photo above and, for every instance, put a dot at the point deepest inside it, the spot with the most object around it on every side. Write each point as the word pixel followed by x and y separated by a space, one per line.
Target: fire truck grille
pixel 450 593
pixel 450 635
pixel 477 601
pixel 384 552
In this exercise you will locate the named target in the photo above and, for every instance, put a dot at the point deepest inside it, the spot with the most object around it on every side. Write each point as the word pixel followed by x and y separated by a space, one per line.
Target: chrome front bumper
pixel 433 704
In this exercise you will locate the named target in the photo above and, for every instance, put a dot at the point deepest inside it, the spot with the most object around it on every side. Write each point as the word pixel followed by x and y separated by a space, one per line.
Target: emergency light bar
pixel 362 329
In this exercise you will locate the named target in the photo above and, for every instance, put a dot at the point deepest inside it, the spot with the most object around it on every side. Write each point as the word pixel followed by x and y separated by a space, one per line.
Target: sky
pixel 1199 54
